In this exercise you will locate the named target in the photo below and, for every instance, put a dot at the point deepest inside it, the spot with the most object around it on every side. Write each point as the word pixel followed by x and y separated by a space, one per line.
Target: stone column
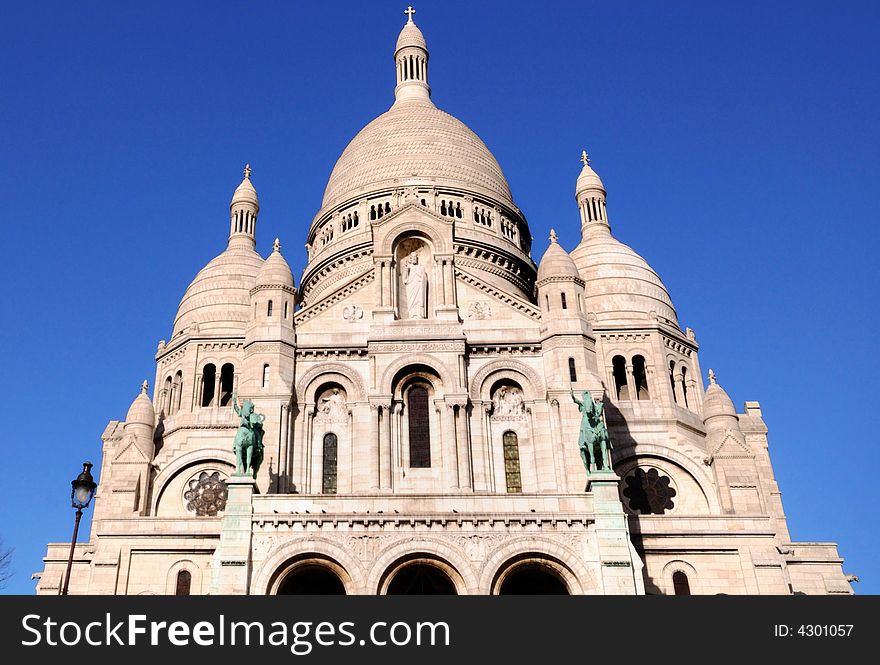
pixel 679 394
pixel 307 449
pixel 383 414
pixel 375 446
pixel 631 382
pixel 680 386
pixel 282 449
pixel 231 565
pixel 465 479
pixel 448 445
pixel 490 448
pixel 216 400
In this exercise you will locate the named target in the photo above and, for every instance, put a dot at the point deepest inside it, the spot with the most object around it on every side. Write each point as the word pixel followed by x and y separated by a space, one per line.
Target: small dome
pixel 218 300
pixel 275 270
pixel 588 179
pixel 245 192
pixel 620 285
pixel 716 401
pixel 410 35
pixel 556 262
pixel 141 411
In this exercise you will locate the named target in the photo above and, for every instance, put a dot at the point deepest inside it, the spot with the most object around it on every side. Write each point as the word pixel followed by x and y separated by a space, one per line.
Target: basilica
pixel 426 395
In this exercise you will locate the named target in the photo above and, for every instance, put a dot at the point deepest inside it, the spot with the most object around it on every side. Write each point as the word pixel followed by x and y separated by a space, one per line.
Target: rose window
pixel 648 492
pixel 206 495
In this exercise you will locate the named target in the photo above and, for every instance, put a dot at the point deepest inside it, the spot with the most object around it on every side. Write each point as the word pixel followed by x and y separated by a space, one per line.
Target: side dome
pixel 275 270
pixel 620 285
pixel 716 401
pixel 217 301
pixel 556 262
pixel 414 142
pixel 141 411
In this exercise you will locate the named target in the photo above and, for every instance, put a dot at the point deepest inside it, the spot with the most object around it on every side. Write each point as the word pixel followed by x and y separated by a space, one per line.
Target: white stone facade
pixel 418 414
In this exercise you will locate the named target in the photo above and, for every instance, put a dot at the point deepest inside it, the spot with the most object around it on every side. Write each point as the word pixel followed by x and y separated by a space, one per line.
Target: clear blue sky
pixel 738 141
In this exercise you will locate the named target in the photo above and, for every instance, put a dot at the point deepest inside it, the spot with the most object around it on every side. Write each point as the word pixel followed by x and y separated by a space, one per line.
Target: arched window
pixel 166 396
pixel 618 364
pixel 640 376
pixel 511 463
pixel 184 582
pixel 684 387
pixel 572 370
pixel 564 303
pixel 328 474
pixel 178 382
pixel 209 376
pixel 680 584
pixel 672 379
pixel 265 376
pixel 269 309
pixel 419 428
pixel 227 383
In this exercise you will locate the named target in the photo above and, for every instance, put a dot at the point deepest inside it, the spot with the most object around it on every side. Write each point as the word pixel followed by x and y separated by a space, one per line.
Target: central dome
pixel 415 142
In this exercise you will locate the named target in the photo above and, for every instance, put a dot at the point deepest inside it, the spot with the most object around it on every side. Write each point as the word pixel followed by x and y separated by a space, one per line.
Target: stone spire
pixel 243 211
pixel 590 196
pixel 411 60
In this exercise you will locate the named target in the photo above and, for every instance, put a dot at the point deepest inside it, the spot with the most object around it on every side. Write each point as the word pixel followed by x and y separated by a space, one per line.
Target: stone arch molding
pixel 414 223
pixel 632 455
pixel 679 565
pixel 447 376
pixel 278 556
pixel 581 580
pixel 527 377
pixel 220 456
pixel 351 381
pixel 454 557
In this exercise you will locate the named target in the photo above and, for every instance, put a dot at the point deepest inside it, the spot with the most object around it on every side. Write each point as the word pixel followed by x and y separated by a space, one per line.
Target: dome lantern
pixel 243 211
pixel 590 196
pixel 411 60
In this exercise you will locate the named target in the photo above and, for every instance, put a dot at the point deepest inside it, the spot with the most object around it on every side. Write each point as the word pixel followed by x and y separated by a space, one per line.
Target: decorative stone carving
pixel 508 402
pixel 479 309
pixel 415 280
pixel 206 495
pixel 332 406
pixel 352 313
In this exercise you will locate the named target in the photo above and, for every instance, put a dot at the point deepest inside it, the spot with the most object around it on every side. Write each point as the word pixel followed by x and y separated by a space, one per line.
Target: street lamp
pixel 80 497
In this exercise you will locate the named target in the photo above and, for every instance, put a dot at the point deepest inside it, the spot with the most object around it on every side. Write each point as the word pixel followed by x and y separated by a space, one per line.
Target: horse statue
pixel 593 434
pixel 248 446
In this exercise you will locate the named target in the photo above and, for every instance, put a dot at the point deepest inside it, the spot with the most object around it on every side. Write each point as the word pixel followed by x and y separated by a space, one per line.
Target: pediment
pixel 732 445
pixel 130 452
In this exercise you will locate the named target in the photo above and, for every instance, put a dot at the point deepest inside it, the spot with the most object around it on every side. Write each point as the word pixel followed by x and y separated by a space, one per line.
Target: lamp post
pixel 80 497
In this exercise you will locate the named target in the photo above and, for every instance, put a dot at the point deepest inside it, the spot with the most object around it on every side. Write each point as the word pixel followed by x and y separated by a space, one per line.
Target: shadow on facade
pixel 622 439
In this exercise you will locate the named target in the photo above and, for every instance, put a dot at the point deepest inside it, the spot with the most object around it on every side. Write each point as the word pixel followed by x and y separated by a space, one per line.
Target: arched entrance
pixel 532 576
pixel 310 577
pixel 420 576
pixel 420 579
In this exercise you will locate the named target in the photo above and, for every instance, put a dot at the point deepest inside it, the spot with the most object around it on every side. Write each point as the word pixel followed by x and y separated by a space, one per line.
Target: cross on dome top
pixel 585 158
pixel 144 387
pixel 711 376
pixel 553 236
pixel 409 11
pixel 247 171
pixel 277 245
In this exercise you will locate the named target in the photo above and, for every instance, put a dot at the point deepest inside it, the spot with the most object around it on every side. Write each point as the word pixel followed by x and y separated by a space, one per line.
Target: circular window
pixel 205 495
pixel 647 492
